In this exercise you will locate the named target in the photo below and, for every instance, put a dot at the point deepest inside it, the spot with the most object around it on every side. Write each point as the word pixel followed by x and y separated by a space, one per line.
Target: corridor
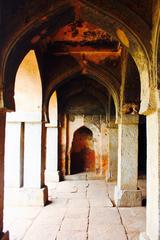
pixel 78 210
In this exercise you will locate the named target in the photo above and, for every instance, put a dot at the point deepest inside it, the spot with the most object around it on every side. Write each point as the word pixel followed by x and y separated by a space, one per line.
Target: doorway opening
pixel 82 151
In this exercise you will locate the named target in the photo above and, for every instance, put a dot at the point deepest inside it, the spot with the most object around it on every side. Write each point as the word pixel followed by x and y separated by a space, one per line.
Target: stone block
pixel 26 196
pixel 127 198
pixel 72 224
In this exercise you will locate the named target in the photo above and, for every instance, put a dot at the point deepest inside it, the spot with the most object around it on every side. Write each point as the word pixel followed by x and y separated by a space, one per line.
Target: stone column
pixel 14 159
pixel 113 154
pixel 3 236
pixel 126 193
pixel 14 150
pixel 153 178
pixel 24 160
pixel 35 192
pixel 62 146
pixel 51 172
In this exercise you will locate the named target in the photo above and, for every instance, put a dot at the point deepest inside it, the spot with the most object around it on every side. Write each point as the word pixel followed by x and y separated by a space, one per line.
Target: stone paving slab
pixel 59 202
pixel 70 224
pixel 72 235
pixel 109 232
pixel 104 216
pixel 79 210
pixel 70 195
pixel 100 202
pixel 77 213
pixel 133 220
pixel 18 228
pixel 66 186
pixel 53 211
pixel 78 203
pixel 42 232
pixel 21 212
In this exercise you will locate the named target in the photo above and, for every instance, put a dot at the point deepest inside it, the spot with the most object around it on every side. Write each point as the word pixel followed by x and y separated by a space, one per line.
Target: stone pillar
pixel 51 172
pixel 126 193
pixel 62 146
pixel 24 166
pixel 35 193
pixel 153 178
pixel 113 154
pixel 3 236
pixel 14 150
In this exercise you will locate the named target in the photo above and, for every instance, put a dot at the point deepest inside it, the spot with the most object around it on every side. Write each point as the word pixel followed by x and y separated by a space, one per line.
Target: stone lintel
pixel 26 196
pixel 127 198
pixel 4 236
pixel 143 236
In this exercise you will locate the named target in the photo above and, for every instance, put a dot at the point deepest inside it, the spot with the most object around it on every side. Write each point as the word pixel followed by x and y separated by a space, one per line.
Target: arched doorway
pixel 82 151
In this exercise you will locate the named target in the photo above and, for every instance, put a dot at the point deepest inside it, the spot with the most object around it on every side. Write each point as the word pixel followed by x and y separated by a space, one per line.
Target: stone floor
pixel 79 210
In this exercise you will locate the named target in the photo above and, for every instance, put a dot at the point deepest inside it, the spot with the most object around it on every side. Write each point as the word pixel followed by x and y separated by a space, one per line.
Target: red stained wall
pixel 82 151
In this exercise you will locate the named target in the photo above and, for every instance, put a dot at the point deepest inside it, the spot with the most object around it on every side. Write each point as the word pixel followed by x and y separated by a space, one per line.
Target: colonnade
pixel 24 159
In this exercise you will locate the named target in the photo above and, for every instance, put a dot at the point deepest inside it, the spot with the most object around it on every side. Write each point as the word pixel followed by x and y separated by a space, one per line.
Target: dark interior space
pixel 142 150
pixel 82 151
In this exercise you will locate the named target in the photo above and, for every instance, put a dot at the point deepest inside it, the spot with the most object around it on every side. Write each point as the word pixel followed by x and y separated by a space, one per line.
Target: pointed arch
pixel 28 87
pixel 99 75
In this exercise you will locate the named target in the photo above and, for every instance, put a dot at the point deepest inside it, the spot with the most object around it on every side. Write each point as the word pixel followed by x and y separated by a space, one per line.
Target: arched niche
pixel 82 151
pixel 53 109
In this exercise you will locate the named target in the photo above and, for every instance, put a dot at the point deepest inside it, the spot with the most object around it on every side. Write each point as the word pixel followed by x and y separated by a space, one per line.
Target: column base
pixel 4 236
pixel 26 196
pixel 51 177
pixel 127 198
pixel 143 236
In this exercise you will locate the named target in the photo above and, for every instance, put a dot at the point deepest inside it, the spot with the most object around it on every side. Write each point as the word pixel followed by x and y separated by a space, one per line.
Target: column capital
pixel 30 117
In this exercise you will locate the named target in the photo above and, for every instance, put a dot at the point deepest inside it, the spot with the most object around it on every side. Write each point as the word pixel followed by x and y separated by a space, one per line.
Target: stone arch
pixel 130 87
pixel 28 81
pixel 102 77
pixel 156 42
pixel 157 56
pixel 138 49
